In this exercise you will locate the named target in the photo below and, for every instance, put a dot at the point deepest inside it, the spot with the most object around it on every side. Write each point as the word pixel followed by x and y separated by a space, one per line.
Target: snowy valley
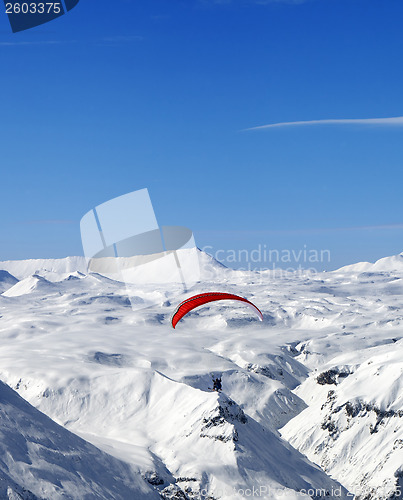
pixel 101 401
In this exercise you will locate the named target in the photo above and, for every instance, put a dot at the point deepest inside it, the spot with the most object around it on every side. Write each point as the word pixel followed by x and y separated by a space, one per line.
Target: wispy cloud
pixel 123 38
pixel 395 121
pixel 33 42
pixel 110 40
pixel 49 221
pixel 266 2
pixel 319 230
pixel 256 2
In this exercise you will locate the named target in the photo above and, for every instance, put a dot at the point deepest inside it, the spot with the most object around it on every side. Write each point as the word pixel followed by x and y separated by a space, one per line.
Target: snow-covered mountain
pixel 393 263
pixel 28 285
pixel 45 267
pixel 41 459
pixel 317 382
pixel 7 280
pixel 58 269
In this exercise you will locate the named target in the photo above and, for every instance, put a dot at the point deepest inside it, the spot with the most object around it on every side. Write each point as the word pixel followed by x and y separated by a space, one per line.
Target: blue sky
pixel 121 95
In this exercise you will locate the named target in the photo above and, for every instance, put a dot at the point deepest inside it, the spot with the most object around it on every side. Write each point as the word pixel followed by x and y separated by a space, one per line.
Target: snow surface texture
pixel 318 382
pixel 54 462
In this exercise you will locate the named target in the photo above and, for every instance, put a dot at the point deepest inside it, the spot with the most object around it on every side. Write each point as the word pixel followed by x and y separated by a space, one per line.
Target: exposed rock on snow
pixel 354 430
pixel 332 376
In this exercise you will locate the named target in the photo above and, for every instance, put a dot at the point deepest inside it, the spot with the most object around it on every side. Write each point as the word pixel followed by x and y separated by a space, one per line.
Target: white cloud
pixel 303 231
pixel 395 121
pixel 32 42
pixel 49 221
pixel 256 2
pixel 123 38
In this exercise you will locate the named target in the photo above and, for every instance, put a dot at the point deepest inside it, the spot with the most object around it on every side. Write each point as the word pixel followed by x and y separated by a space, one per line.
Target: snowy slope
pixel 59 269
pixel 353 426
pixel 24 268
pixel 7 280
pixel 40 459
pixel 28 285
pixel 387 264
pixel 139 390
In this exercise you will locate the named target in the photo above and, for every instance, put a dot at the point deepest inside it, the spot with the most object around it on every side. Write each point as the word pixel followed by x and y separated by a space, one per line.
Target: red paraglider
pixel 204 298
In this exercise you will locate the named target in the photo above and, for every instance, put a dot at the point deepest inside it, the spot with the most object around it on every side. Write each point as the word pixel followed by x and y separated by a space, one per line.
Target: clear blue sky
pixel 120 95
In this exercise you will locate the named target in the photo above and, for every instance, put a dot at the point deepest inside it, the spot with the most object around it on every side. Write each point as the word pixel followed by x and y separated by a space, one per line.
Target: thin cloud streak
pixel 256 2
pixel 395 121
pixel 49 221
pixel 123 38
pixel 35 42
pixel 245 233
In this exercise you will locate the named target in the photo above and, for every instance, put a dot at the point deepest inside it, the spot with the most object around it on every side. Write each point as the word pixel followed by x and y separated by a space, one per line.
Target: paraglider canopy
pixel 204 298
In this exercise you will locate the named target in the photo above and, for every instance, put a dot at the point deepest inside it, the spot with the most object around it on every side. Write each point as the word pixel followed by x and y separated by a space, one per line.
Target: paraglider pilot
pixel 217 384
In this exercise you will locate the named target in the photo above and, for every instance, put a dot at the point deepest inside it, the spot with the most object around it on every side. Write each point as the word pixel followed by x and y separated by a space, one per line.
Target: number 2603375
pixel 34 8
